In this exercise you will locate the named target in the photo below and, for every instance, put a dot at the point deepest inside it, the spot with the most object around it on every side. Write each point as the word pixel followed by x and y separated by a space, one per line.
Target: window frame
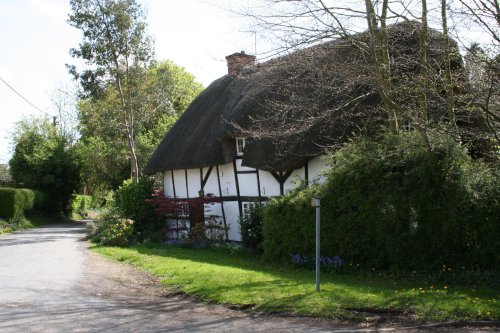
pixel 240 149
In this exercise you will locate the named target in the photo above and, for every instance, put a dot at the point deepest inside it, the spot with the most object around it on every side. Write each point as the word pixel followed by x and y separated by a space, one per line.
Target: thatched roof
pixel 290 108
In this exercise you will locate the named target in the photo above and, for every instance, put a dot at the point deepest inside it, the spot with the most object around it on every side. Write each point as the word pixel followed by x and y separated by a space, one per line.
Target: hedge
pixel 14 201
pixel 395 204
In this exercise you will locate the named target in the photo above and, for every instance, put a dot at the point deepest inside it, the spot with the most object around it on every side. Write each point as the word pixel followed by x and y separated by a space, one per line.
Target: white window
pixel 240 146
pixel 246 208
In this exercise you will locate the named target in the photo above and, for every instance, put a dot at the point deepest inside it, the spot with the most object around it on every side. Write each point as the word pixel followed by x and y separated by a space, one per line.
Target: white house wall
pixel 269 186
pixel 316 166
pixel 248 185
pixel 232 216
pixel 212 184
pixel 180 184
pixel 295 177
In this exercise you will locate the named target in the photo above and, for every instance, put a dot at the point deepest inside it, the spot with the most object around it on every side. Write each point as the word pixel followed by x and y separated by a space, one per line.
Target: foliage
pixel 112 231
pixel 43 160
pixel 130 203
pixel 220 277
pixel 117 52
pixel 188 220
pixel 172 86
pixel 103 165
pixel 32 219
pixel 251 228
pixel 92 229
pixel 14 202
pixel 162 95
pixel 5 177
pixel 395 203
pixel 80 204
pixel 208 234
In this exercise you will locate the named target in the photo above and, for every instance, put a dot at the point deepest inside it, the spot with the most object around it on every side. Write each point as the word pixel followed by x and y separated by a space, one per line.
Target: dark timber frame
pixel 222 203
pixel 203 180
pixel 281 178
pixel 235 168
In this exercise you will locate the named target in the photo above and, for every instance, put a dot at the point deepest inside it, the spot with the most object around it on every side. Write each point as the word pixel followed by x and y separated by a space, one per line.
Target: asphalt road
pixel 51 282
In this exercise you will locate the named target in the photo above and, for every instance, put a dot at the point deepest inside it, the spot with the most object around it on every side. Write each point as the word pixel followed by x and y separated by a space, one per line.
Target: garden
pixel 410 236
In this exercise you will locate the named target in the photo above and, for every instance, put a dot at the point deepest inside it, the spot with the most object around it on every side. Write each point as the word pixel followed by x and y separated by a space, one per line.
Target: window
pixel 240 146
pixel 246 208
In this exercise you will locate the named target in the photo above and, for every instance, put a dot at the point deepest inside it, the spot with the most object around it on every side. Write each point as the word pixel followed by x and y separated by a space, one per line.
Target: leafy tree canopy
pixel 43 160
pixel 164 91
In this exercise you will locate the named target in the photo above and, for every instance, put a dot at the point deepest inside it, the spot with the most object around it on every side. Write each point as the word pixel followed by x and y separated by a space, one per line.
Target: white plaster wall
pixel 180 184
pixel 227 180
pixel 239 167
pixel 248 184
pixel 269 186
pixel 232 214
pixel 248 187
pixel 295 177
pixel 211 185
pixel 316 166
pixel 194 182
pixel 168 189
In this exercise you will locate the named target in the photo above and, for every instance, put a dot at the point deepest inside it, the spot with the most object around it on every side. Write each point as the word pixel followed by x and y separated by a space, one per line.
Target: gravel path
pixel 51 282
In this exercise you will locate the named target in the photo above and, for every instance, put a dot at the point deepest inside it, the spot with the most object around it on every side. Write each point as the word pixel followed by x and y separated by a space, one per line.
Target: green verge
pixel 248 283
pixel 29 221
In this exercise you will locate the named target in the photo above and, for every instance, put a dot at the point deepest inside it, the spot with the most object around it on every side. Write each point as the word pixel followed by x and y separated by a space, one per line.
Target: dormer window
pixel 240 146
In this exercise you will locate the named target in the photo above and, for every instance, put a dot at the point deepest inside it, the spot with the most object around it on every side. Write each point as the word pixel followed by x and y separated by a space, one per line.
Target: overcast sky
pixel 35 39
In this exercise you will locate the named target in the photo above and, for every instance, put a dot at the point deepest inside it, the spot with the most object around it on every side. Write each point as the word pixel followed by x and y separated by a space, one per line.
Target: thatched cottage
pixel 253 133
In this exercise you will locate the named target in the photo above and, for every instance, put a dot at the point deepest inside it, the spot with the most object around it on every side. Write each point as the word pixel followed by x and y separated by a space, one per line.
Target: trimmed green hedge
pixel 14 201
pixel 395 204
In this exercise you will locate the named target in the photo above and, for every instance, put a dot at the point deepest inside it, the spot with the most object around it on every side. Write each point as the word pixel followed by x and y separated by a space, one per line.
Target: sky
pixel 35 39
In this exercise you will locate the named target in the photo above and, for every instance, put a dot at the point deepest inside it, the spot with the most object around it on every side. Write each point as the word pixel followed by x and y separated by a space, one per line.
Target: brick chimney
pixel 237 61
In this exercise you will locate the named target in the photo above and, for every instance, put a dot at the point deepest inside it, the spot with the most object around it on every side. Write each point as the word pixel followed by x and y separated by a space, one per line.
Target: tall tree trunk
pixel 422 114
pixel 129 133
pixel 379 52
pixel 448 77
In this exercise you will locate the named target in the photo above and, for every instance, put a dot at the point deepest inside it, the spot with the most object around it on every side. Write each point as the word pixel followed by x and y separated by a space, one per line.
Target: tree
pixel 115 48
pixel 5 177
pixel 162 94
pixel 64 100
pixel 433 78
pixel 44 160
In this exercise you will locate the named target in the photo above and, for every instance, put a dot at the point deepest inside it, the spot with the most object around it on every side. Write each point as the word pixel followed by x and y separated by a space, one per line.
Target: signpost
pixel 315 202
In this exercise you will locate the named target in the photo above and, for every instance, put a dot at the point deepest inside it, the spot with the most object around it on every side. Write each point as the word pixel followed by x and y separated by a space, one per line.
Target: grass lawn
pixel 247 282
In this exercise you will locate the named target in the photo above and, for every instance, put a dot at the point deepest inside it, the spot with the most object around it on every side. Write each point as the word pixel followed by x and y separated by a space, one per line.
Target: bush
pixel 130 203
pixel 15 202
pixel 44 160
pixel 112 231
pixel 80 204
pixel 251 228
pixel 394 204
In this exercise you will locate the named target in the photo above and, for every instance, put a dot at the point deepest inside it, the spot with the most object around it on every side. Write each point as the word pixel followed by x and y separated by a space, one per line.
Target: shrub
pixel 392 203
pixel 112 231
pixel 130 203
pixel 80 204
pixel 91 229
pixel 15 202
pixel 44 160
pixel 251 228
